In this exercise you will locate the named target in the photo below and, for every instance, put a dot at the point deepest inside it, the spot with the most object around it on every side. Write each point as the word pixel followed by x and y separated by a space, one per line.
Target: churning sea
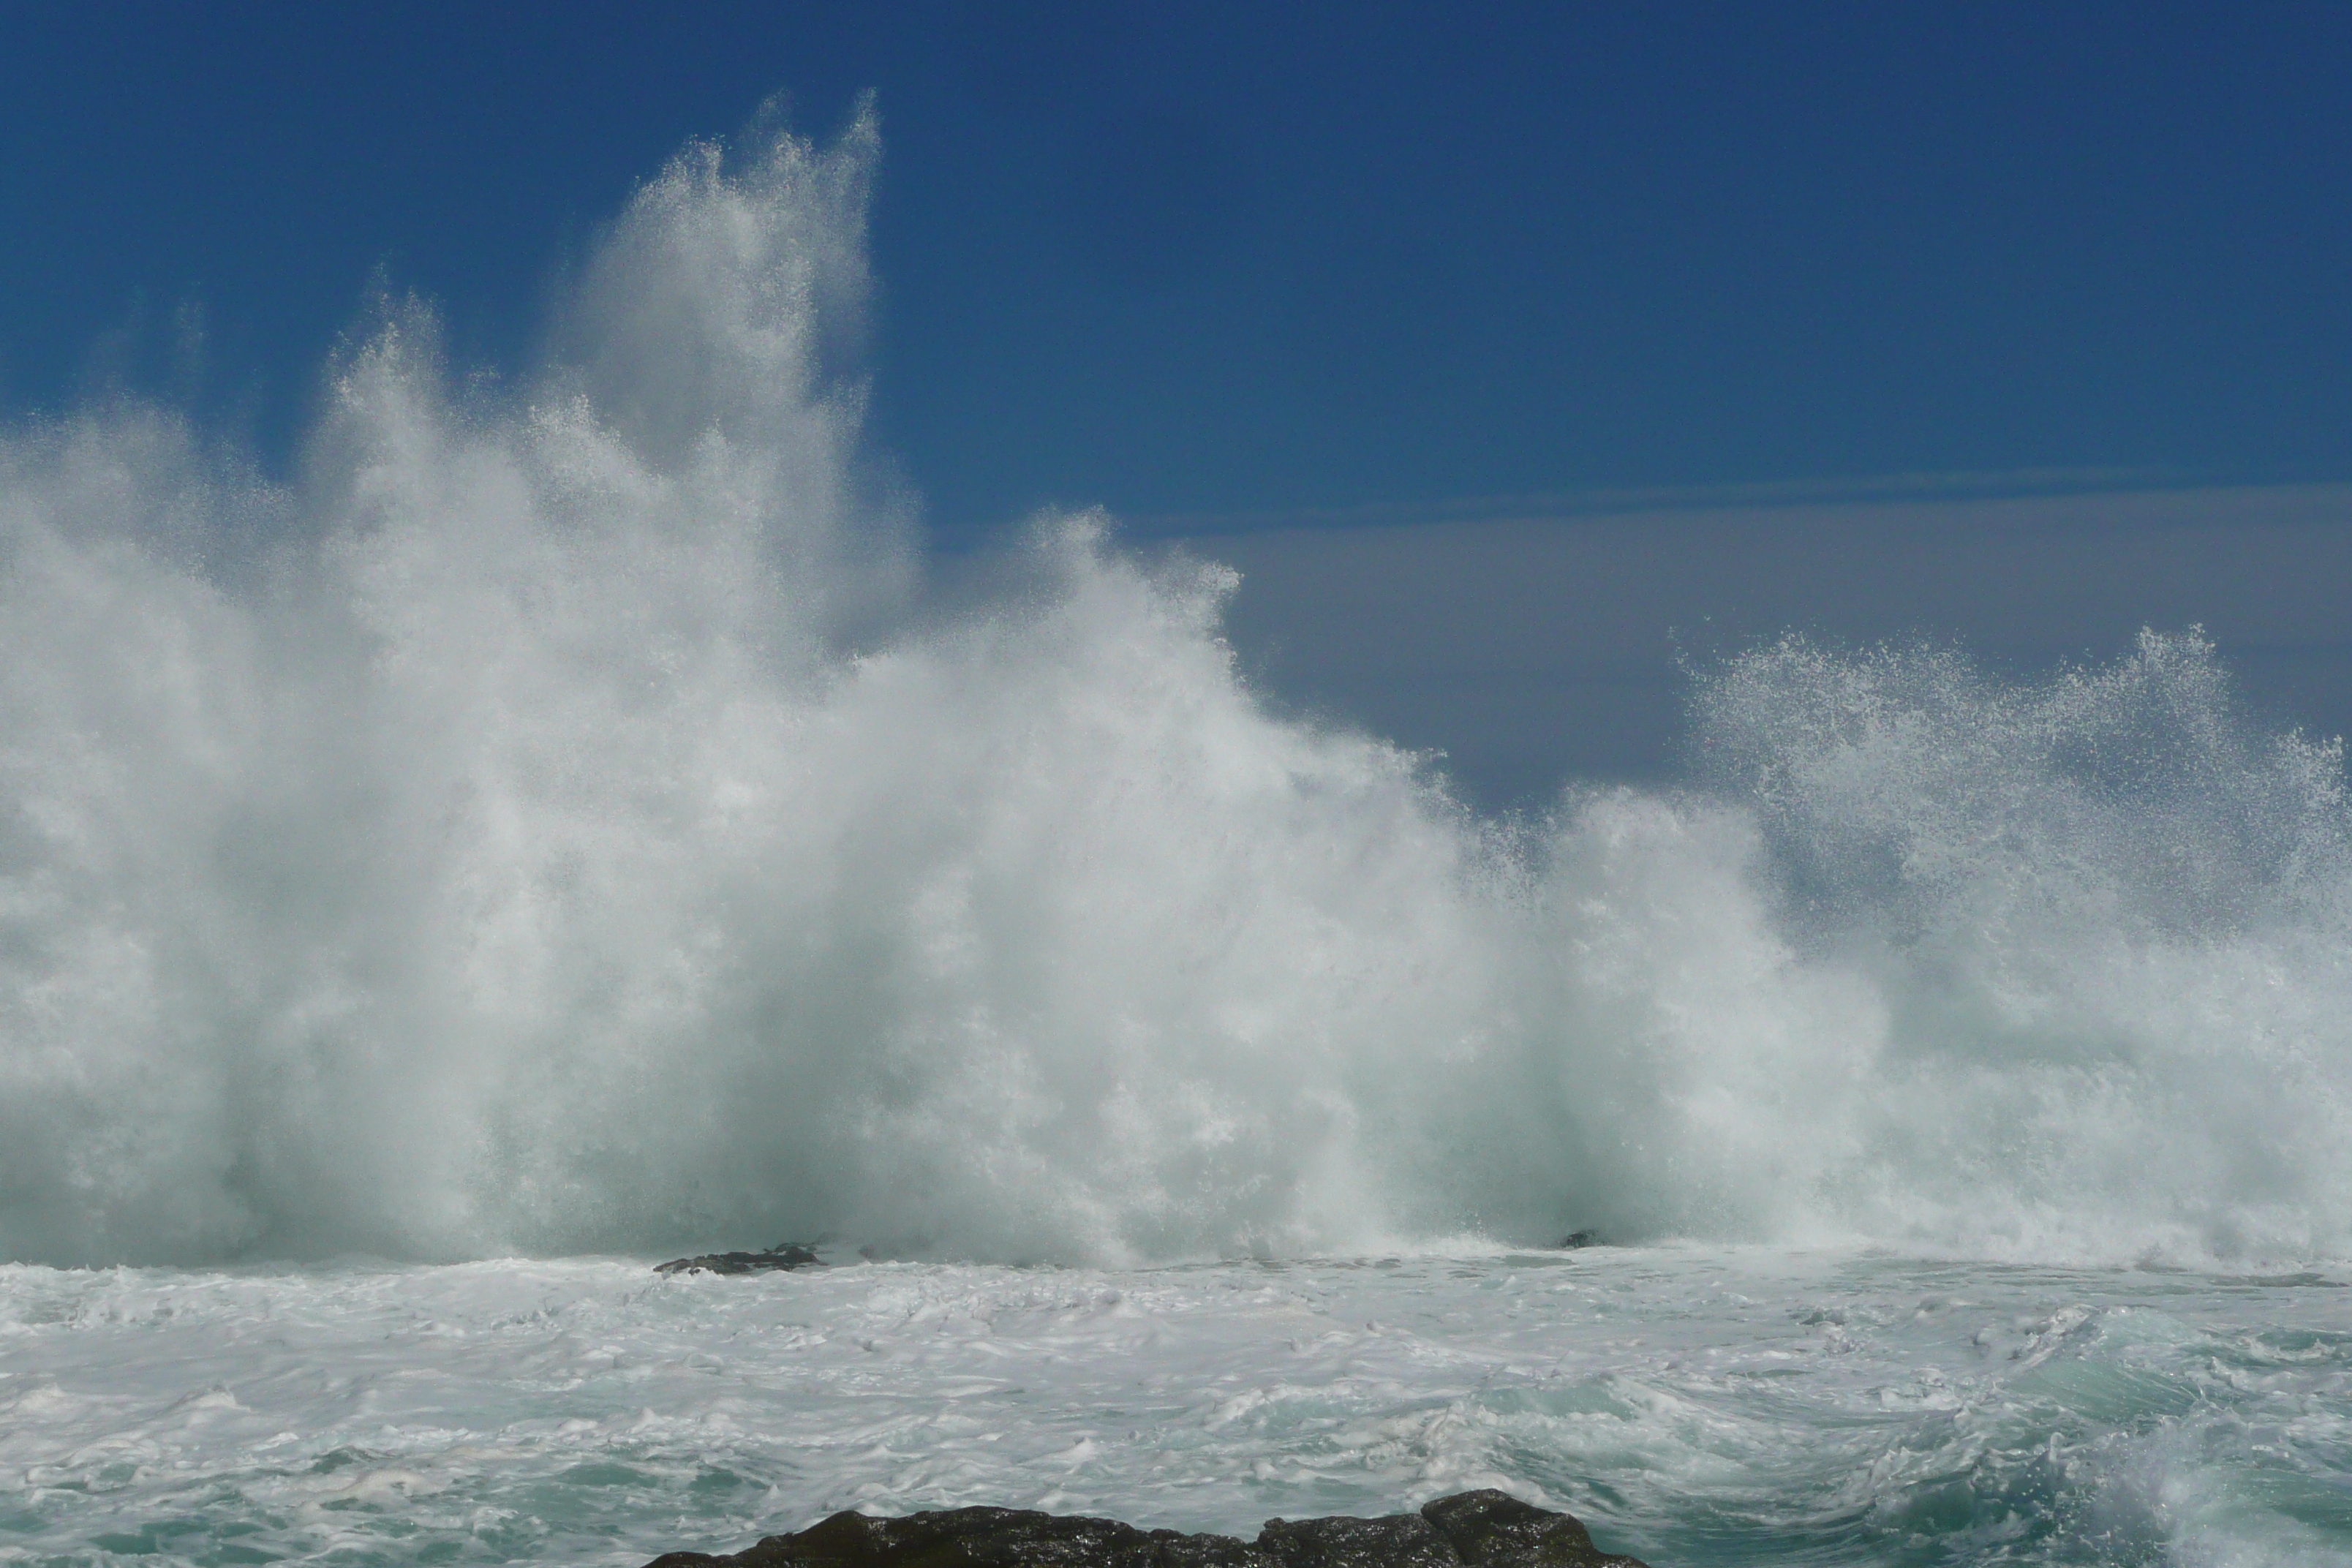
pixel 1695 1405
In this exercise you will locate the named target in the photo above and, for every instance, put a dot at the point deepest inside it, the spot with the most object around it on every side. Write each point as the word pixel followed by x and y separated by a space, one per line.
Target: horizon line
pixel 1924 488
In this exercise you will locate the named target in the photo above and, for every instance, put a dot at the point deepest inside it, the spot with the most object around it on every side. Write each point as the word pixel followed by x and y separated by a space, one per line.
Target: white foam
pixel 1695 1405
pixel 565 820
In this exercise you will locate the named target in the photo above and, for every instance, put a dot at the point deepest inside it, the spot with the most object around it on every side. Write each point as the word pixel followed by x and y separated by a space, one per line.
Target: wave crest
pixel 563 821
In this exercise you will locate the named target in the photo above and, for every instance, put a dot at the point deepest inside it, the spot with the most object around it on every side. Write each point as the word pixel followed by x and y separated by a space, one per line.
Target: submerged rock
pixel 1468 1529
pixel 783 1255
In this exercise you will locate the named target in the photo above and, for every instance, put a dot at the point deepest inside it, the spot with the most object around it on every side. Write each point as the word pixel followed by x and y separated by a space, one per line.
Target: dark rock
pixel 1469 1529
pixel 972 1537
pixel 783 1255
pixel 1495 1530
pixel 1576 1239
pixel 1399 1541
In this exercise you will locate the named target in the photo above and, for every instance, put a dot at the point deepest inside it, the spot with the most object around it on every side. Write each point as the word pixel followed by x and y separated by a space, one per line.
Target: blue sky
pixel 1264 273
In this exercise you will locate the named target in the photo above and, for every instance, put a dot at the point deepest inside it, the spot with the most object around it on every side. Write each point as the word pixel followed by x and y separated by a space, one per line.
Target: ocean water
pixel 1694 1404
pixel 572 819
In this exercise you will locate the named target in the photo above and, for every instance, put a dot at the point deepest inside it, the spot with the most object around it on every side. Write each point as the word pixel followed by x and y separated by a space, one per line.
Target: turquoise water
pixel 1695 1405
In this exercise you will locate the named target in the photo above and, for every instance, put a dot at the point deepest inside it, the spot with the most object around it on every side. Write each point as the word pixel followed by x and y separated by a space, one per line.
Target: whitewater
pixel 573 820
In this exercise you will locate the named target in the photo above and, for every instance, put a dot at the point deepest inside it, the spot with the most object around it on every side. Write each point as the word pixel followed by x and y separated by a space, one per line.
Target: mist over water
pixel 570 817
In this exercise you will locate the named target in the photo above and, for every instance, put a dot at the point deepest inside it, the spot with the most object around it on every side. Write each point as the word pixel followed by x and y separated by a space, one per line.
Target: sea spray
pixel 563 820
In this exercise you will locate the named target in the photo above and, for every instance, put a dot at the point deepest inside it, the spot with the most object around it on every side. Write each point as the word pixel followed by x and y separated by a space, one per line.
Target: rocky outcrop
pixel 1468 1529
pixel 783 1255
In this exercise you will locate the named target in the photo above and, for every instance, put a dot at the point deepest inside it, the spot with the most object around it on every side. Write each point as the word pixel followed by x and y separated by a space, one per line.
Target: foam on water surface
pixel 1693 1405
